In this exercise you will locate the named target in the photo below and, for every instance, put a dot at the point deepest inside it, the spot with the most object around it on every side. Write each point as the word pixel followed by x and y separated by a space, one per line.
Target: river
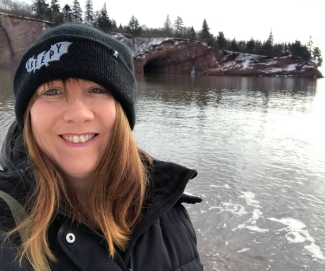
pixel 258 145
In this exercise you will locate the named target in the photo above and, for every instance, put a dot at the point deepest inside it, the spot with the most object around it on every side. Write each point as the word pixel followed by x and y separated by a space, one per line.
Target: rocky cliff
pixel 162 55
pixel 175 56
pixel 234 63
pixel 193 57
pixel 16 34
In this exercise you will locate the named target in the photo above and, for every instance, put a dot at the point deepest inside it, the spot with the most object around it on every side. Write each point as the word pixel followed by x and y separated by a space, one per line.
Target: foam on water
pixel 188 193
pixel 220 186
pixel 240 210
pixel 252 223
pixel 297 234
pixel 250 199
pixel 315 251
pixel 295 229
pixel 257 229
pixel 243 250
pixel 236 209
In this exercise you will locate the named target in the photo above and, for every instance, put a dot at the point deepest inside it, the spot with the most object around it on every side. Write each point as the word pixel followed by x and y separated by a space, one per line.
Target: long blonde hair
pixel 116 195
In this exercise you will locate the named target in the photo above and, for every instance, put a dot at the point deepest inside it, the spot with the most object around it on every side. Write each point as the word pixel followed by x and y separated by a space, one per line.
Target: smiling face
pixel 72 123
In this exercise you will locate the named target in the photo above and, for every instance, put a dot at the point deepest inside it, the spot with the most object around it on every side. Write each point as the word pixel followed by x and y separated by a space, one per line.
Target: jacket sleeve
pixel 169 244
pixel 195 263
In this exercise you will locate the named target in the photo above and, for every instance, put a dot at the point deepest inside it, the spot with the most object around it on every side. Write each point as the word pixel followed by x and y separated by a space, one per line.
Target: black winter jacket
pixel 164 239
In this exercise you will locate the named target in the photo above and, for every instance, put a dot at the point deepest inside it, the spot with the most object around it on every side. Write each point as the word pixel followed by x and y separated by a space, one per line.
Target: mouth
pixel 78 138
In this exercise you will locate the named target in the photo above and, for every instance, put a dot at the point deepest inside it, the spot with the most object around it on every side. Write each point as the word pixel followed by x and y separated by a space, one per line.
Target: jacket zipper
pixel 131 263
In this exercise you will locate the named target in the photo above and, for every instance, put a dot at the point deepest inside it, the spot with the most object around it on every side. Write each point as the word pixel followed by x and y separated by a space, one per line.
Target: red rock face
pixel 179 57
pixel 187 57
pixel 16 34
pixel 234 63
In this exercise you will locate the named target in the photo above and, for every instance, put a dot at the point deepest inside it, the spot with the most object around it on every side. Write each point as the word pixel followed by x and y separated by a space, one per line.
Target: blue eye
pixel 99 90
pixel 52 92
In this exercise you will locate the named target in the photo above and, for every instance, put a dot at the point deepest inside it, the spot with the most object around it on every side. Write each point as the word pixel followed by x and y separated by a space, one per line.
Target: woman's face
pixel 72 124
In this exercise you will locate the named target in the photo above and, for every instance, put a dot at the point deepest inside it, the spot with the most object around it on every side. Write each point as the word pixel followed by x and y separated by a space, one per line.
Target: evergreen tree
pixel 258 47
pixel 179 26
pixel 299 50
pixel 317 56
pixel 89 13
pixel 250 46
pixel 113 23
pixel 310 46
pixel 56 16
pixel 76 12
pixel 268 46
pixel 241 45
pixel 192 34
pixel 234 45
pixel 133 28
pixel 41 9
pixel 286 48
pixel 278 49
pixel 103 22
pixel 221 41
pixel 205 33
pixel 67 13
pixel 167 26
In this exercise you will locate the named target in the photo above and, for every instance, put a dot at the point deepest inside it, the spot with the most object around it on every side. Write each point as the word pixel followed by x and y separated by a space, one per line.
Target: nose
pixel 78 111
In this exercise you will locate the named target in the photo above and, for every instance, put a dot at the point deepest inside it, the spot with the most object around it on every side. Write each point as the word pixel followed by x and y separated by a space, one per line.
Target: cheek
pixel 108 114
pixel 36 121
pixel 40 117
pixel 112 118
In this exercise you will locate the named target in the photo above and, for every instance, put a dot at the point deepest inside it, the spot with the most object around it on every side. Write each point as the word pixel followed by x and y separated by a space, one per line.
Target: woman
pixel 75 191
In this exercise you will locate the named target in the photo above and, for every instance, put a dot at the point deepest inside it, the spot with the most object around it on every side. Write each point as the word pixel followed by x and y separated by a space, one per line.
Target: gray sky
pixel 241 19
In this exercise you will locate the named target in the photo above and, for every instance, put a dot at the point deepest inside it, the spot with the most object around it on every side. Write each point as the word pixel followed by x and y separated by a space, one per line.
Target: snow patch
pixel 246 63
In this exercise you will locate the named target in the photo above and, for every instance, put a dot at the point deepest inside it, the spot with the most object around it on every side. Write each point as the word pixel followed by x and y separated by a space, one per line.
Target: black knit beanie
pixel 76 51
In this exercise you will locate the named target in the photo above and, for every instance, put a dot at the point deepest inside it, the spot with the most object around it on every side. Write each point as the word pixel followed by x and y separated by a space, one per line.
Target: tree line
pixel 52 12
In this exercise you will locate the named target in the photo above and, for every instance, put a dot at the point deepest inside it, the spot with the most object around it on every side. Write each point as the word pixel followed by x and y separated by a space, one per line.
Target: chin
pixel 78 173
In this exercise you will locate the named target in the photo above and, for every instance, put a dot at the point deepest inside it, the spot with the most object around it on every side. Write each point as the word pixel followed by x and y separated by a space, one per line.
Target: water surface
pixel 258 146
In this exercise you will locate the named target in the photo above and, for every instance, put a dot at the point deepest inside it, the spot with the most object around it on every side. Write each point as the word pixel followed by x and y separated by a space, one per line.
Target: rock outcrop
pixel 234 63
pixel 162 55
pixel 165 55
pixel 16 34
pixel 171 55
pixel 178 56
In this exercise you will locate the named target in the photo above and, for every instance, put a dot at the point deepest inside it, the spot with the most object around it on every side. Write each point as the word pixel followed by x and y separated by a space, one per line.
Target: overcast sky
pixel 241 19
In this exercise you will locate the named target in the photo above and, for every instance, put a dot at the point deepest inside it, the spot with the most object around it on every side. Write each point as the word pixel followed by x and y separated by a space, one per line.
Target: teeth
pixel 78 139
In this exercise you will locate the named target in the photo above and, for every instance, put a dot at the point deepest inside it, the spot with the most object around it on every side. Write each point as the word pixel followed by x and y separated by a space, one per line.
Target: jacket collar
pixel 165 189
pixel 13 155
